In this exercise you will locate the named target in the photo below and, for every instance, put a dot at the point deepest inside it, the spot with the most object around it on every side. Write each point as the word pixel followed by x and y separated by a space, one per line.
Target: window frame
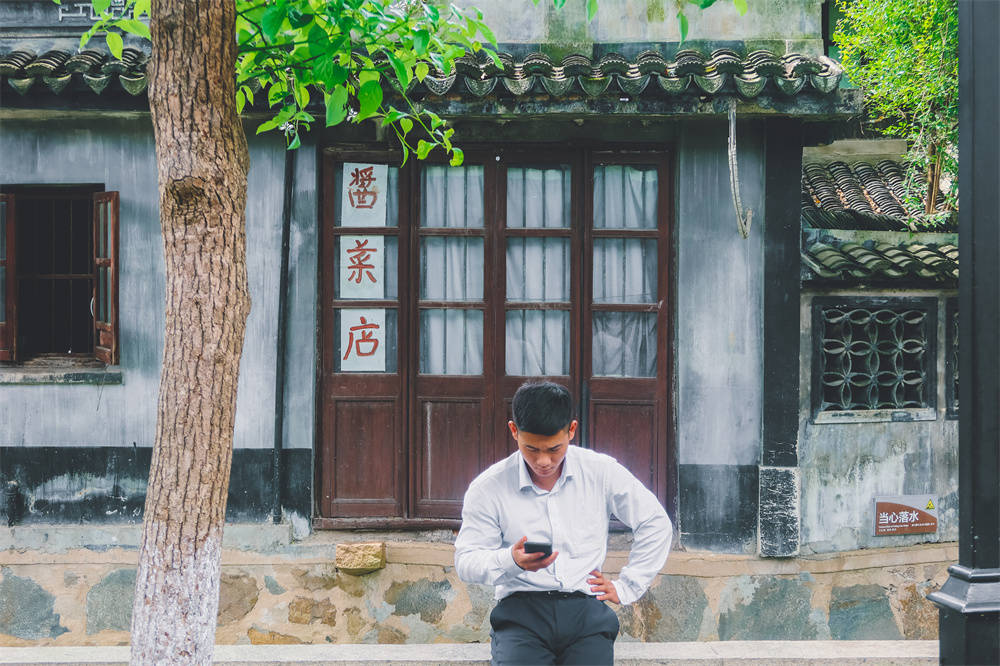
pixel 104 349
pixel 927 412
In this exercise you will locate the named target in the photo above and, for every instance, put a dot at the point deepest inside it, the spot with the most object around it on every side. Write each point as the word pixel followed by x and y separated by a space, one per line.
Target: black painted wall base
pixel 107 484
pixel 718 507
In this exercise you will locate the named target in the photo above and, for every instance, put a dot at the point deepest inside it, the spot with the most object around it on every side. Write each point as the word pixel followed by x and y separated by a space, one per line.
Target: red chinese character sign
pixel 362 340
pixel 362 266
pixel 905 514
pixel 363 198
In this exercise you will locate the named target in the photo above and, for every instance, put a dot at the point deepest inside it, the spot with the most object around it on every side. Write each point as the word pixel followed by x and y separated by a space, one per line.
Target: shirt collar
pixel 571 467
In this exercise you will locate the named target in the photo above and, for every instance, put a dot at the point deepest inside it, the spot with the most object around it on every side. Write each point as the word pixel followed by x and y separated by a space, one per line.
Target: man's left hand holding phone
pixel 532 561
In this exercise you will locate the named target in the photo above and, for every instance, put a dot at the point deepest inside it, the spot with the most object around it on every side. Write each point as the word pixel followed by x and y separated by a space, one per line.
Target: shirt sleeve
pixel 480 555
pixel 633 504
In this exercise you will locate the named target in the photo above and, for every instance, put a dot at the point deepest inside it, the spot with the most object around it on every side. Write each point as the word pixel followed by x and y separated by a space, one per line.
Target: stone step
pixel 723 653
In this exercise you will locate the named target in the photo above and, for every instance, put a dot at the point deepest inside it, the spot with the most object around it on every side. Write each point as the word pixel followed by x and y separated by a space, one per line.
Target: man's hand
pixel 603 585
pixel 531 561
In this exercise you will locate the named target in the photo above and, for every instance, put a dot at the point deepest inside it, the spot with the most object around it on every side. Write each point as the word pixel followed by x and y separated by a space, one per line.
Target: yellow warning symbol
pixel 930 504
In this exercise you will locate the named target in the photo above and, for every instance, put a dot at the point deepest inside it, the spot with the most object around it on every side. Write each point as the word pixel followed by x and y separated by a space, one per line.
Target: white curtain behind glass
pixel 451 269
pixel 624 271
pixel 538 271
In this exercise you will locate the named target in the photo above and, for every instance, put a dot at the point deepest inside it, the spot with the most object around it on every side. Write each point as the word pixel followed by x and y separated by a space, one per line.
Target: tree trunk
pixel 202 161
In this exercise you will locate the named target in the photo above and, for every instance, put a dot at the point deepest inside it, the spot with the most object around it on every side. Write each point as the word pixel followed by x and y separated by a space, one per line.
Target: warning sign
pixel 905 514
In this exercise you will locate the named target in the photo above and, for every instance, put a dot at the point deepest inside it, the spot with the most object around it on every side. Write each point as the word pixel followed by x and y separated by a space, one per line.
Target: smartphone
pixel 538 547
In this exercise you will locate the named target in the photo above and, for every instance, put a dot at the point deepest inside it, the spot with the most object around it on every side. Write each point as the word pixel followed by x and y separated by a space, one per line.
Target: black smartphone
pixel 538 547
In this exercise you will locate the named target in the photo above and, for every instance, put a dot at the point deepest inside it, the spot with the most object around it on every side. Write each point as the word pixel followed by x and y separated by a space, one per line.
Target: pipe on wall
pixel 279 365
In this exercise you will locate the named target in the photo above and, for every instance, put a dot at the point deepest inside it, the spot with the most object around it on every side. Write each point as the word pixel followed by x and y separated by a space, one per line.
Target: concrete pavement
pixel 721 653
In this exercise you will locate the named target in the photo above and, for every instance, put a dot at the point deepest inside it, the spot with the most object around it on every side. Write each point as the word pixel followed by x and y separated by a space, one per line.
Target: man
pixel 549 491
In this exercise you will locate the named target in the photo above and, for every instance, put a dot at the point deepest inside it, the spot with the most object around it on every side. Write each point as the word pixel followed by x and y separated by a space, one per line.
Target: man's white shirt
pixel 502 505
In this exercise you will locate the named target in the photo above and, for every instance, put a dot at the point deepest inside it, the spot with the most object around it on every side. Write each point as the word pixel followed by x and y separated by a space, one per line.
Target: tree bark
pixel 202 161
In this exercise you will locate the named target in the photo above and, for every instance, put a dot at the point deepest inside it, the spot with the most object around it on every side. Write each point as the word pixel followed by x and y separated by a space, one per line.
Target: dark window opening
pixel 55 273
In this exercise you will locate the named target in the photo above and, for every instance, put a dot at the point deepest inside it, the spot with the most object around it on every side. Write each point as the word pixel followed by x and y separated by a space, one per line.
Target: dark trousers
pixel 533 628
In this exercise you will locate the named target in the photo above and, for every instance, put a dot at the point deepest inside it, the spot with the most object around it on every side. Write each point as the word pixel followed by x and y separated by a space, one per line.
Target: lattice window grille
pixel 874 357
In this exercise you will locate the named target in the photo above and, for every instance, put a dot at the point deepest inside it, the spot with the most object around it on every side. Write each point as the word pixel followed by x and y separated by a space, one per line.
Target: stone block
pixel 360 558
pixel 861 612
pixel 238 594
pixel 672 610
pixel 109 603
pixel 259 636
pixel 26 609
pixel 779 512
pixel 918 615
pixel 304 610
pixel 424 597
pixel 766 609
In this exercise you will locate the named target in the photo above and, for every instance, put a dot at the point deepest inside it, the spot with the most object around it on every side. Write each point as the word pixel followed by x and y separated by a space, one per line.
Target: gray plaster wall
pixel 843 466
pixel 795 25
pixel 117 151
pixel 719 282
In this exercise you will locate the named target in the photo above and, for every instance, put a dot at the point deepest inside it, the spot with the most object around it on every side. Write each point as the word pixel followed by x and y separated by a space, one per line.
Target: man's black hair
pixel 542 408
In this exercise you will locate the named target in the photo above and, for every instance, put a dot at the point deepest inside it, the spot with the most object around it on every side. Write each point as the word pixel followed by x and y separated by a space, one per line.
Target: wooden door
pixel 626 352
pixel 452 351
pixel 539 247
pixel 363 467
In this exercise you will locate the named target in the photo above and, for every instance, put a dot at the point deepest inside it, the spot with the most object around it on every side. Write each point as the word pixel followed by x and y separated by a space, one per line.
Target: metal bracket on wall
pixel 742 221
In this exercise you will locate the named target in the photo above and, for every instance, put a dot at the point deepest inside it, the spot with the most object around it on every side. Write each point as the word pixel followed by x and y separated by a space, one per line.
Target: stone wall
pixel 287 592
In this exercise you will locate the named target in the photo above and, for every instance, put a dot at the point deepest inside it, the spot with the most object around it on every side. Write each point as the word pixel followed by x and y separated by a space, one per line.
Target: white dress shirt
pixel 502 505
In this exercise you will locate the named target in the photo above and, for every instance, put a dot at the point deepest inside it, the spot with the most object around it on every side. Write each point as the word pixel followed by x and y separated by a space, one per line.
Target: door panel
pixel 364 461
pixel 449 454
pixel 626 430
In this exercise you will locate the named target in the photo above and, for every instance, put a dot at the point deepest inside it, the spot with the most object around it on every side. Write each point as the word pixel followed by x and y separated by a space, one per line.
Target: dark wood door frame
pixel 406 389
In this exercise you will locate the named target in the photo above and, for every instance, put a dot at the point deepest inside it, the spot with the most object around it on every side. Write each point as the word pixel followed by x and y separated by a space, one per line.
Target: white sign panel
pixel 362 266
pixel 364 194
pixel 362 340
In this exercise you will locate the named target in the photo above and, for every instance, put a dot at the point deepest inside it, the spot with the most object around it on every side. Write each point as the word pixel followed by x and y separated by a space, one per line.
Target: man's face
pixel 544 454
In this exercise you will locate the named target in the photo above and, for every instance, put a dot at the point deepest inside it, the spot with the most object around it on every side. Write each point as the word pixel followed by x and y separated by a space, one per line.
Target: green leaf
pixel 241 100
pixel 319 41
pixel 421 70
pixel 323 71
pixel 101 6
pixel 141 7
pixel 296 142
pixel 399 67
pixel 683 21
pixel 457 157
pixel 406 124
pixel 423 148
pixel 134 27
pixel 741 6
pixel 421 38
pixel 272 20
pixel 591 9
pixel 406 152
pixel 267 125
pixel 336 106
pixel 115 44
pixel 488 34
pixel 297 18
pixel 392 116
pixel 369 99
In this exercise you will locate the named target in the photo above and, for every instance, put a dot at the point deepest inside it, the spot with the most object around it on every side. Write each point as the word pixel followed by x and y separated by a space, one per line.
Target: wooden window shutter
pixel 8 280
pixel 105 301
